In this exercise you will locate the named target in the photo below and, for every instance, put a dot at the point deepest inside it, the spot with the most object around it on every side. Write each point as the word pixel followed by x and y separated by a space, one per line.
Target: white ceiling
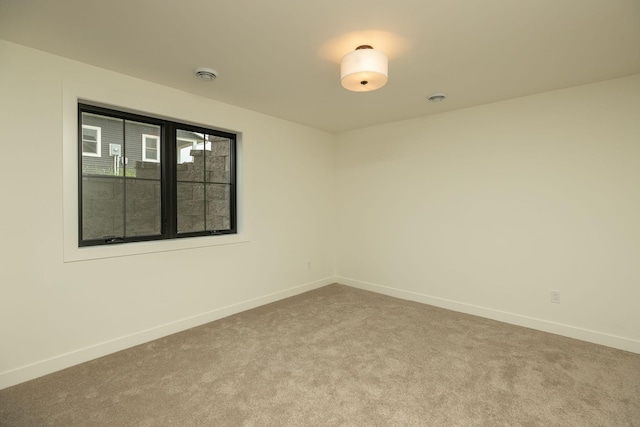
pixel 281 57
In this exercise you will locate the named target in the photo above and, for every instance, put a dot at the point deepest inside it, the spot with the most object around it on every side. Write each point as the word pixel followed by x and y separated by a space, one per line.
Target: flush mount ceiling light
pixel 437 97
pixel 363 70
pixel 205 73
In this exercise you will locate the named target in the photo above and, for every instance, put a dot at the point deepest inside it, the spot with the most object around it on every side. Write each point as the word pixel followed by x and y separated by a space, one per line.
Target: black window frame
pixel 168 176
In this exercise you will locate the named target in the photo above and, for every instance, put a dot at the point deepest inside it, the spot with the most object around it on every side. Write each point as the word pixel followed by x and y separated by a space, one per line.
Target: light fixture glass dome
pixel 365 69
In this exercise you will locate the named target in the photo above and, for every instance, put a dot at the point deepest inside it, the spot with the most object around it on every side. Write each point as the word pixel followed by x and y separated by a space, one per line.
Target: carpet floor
pixel 339 356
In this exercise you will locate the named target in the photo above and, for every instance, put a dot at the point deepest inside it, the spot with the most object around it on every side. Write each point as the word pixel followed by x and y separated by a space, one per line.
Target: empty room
pixel 337 213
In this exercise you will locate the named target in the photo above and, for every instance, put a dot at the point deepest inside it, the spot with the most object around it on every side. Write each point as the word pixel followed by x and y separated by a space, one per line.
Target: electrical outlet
pixel 555 297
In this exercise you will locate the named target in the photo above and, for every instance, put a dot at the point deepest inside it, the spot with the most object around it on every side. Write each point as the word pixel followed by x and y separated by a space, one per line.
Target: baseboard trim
pixel 582 334
pixel 66 360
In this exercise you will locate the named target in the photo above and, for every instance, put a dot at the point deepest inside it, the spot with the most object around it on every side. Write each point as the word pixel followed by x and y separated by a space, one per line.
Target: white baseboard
pixel 582 334
pixel 62 361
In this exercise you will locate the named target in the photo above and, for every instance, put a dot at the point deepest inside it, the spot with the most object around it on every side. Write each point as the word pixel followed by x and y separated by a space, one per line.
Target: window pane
pixel 218 158
pixel 144 207
pixel 90 141
pixel 89 146
pixel 99 133
pixel 185 142
pixel 102 207
pixel 102 191
pixel 190 156
pixel 144 202
pixel 218 207
pixel 89 134
pixel 134 162
pixel 203 175
pixel 120 192
pixel 151 153
pixel 191 207
pixel 150 148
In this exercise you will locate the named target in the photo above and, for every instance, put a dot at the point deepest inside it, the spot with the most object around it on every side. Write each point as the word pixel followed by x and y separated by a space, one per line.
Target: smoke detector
pixel 205 73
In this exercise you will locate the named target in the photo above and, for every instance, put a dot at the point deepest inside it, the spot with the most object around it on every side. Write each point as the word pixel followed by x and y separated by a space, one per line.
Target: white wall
pixel 55 313
pixel 487 209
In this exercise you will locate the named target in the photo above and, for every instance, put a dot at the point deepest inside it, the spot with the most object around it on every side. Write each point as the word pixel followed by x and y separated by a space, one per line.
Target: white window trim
pixel 98 141
pixel 145 138
pixel 135 102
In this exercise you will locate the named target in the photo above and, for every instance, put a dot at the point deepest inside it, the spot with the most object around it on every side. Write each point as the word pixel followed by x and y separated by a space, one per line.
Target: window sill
pixel 128 249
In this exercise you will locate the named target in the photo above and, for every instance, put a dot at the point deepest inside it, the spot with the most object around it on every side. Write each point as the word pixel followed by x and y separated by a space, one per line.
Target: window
pixel 150 148
pixel 160 179
pixel 91 141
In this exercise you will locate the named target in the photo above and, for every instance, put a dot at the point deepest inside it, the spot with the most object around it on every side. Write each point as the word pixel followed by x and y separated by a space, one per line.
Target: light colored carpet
pixel 339 356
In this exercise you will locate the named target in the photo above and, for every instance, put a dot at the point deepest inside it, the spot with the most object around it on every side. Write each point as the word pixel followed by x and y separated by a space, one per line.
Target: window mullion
pixel 168 147
pixel 124 177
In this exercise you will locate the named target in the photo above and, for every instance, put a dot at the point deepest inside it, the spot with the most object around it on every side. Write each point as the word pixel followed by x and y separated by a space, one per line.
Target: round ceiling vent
pixel 206 73
pixel 437 97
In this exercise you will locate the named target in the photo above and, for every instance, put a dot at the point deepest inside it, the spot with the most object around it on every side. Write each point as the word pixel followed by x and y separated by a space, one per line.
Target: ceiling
pixel 282 57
